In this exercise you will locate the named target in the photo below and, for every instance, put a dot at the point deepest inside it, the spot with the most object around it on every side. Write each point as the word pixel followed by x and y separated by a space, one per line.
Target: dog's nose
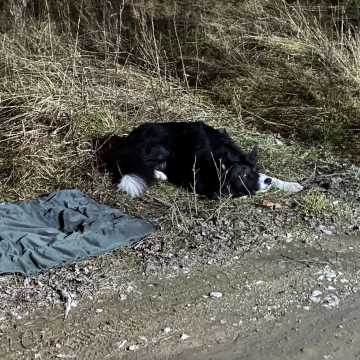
pixel 267 181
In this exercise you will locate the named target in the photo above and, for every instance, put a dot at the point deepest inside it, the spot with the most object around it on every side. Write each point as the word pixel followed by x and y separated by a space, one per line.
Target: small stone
pixel 133 347
pixel 289 238
pixel 331 301
pixel 326 230
pixel 166 330
pixel 99 310
pixel 331 289
pixel 216 295
pixel 315 297
pixel 184 337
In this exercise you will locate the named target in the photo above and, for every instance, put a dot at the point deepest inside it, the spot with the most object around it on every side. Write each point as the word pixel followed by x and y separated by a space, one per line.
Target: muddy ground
pixel 285 269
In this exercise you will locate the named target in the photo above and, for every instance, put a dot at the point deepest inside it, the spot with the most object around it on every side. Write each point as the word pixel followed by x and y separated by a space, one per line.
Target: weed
pixel 314 203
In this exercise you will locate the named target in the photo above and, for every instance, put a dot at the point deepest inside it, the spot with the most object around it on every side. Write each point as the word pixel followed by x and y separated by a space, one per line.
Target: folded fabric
pixel 61 228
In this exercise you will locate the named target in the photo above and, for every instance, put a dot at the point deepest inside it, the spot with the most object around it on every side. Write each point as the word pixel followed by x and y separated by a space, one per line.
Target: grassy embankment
pixel 73 70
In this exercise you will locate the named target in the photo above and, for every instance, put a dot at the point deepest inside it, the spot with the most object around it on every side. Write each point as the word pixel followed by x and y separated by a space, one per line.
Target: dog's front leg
pixel 159 175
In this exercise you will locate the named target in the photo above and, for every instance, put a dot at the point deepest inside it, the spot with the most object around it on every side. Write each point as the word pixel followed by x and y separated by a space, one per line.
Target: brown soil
pixel 265 311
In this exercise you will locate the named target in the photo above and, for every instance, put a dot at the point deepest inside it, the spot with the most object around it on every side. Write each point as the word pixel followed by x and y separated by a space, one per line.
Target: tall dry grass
pixel 71 70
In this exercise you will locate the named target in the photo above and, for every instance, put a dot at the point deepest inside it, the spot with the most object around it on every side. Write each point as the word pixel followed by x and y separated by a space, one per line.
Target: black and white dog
pixel 192 155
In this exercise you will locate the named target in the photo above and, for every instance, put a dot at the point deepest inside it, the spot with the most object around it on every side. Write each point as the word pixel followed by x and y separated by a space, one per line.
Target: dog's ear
pixel 252 157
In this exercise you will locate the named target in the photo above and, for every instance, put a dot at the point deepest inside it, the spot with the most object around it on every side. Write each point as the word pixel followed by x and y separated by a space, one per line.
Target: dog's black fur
pixel 193 155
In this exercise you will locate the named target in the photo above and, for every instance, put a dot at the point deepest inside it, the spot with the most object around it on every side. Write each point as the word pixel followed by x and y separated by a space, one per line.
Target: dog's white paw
pixel 287 186
pixel 133 185
pixel 159 175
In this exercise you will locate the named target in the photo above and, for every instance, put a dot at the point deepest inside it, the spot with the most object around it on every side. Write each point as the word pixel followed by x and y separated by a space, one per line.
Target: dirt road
pixel 316 334
pixel 267 309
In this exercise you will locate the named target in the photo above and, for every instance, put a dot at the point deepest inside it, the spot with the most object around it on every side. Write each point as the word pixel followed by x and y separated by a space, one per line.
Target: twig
pixel 264 120
pixel 162 202
pixel 306 262
pixel 311 177
pixel 68 302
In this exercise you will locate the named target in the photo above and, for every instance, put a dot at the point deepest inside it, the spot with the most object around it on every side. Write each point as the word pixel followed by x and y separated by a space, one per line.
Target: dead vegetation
pixel 71 71
pixel 283 74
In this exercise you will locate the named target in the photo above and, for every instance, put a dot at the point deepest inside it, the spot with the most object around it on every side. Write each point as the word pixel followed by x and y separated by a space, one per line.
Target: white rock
pixel 166 330
pixel 133 347
pixel 216 295
pixel 184 336
pixel 327 274
pixel 331 301
pixel 331 230
pixel 315 297
pixel 331 289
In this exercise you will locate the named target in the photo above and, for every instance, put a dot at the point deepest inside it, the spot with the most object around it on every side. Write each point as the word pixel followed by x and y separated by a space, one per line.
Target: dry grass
pixel 298 74
pixel 73 70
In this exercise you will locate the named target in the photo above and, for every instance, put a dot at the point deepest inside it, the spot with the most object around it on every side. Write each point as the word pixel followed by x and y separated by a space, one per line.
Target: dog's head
pixel 240 176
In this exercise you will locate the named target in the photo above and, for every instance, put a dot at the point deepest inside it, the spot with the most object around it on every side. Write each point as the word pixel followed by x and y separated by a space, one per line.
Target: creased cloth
pixel 61 228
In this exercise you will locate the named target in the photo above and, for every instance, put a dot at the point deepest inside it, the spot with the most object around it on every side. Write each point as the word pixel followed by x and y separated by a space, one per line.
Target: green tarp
pixel 61 228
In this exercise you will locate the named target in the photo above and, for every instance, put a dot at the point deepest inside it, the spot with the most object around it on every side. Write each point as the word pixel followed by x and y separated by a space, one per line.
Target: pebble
pixel 216 295
pixel 331 289
pixel 327 274
pixel 331 301
pixel 166 330
pixel 331 230
pixel 184 336
pixel 315 297
pixel 133 347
